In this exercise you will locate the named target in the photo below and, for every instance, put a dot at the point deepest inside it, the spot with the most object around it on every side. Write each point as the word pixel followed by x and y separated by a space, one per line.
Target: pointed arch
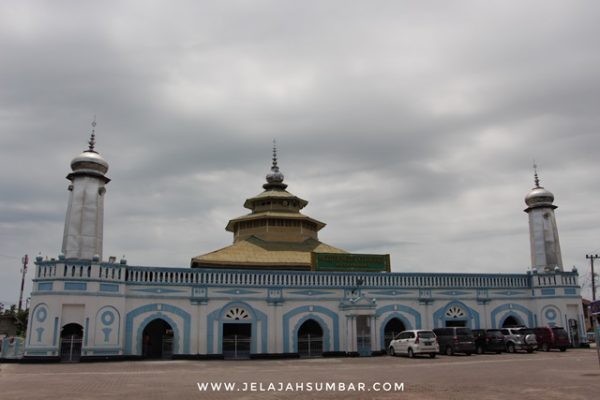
pixel 498 314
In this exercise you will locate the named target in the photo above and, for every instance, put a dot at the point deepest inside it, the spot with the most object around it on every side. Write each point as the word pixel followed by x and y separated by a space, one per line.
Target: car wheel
pixel 411 354
pixel 545 347
pixel 479 349
pixel 449 351
pixel 510 348
pixel 432 355
pixel 530 351
pixel 392 351
pixel 563 349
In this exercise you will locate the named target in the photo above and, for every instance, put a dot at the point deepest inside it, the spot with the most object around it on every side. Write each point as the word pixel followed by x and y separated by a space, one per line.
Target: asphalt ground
pixel 574 375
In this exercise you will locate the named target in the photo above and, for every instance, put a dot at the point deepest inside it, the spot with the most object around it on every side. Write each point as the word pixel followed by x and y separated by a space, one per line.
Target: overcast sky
pixel 410 126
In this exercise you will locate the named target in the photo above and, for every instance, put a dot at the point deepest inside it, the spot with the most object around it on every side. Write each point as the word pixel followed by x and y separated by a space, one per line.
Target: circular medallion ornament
pixel 550 314
pixel 41 315
pixel 107 318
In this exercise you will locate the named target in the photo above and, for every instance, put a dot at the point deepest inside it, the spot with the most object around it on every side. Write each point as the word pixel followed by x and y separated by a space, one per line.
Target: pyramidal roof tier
pixel 275 221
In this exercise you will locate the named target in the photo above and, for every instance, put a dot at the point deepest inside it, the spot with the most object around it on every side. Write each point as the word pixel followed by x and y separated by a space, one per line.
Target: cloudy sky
pixel 410 126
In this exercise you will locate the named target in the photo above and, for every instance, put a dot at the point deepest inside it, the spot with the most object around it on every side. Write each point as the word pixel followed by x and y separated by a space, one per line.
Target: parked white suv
pixel 414 342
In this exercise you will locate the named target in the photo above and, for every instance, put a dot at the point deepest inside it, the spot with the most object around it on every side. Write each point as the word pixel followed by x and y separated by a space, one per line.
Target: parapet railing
pixel 322 279
pixel 555 279
pixel 111 272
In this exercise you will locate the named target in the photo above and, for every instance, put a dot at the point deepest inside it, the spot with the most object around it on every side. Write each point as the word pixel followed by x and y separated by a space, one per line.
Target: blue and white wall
pixel 115 302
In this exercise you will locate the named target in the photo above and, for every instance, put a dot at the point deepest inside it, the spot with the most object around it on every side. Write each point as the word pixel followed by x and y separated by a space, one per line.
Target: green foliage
pixel 20 318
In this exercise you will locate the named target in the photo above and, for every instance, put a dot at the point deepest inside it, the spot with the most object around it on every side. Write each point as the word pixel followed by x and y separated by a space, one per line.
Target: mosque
pixel 276 291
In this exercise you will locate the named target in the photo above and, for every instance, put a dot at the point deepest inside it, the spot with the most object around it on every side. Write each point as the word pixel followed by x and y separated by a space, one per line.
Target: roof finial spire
pixel 92 141
pixel 535 175
pixel 275 178
pixel 274 167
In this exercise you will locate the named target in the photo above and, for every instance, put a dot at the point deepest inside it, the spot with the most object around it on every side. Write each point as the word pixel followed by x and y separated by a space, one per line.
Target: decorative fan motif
pixel 237 314
pixel 455 312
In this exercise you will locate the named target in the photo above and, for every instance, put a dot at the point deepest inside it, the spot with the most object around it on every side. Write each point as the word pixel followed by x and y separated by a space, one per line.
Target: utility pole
pixel 593 257
pixel 24 260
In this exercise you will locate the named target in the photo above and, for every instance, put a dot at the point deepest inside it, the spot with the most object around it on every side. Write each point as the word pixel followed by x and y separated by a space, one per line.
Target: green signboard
pixel 348 262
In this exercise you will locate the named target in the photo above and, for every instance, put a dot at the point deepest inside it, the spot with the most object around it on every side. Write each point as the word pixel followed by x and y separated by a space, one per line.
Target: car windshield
pixel 463 331
pixel 494 333
pixel 525 331
pixel 426 335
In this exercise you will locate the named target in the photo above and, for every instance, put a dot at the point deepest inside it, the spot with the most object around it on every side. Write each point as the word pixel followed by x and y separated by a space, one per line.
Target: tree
pixel 20 318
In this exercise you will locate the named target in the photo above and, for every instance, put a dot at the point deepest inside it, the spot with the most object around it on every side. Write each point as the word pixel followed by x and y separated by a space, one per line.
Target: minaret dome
pixel 89 160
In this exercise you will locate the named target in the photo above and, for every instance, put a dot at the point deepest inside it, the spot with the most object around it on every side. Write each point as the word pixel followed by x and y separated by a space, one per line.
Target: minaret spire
pixel 535 175
pixel 92 142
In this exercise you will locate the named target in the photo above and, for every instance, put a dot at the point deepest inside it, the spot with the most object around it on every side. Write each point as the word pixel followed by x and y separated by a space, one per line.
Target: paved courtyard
pixel 571 375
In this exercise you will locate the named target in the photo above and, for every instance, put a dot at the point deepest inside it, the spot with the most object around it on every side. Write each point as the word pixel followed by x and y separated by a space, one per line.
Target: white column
pixel 374 337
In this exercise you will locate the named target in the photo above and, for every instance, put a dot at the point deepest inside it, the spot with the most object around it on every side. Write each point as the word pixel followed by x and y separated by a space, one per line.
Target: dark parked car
pixel 552 338
pixel 455 340
pixel 490 340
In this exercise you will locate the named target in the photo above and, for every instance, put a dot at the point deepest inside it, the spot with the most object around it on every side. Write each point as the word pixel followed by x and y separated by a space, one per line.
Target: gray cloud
pixel 410 127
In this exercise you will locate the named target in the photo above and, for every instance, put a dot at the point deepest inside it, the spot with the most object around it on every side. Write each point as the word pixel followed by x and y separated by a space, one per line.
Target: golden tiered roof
pixel 254 253
pixel 274 235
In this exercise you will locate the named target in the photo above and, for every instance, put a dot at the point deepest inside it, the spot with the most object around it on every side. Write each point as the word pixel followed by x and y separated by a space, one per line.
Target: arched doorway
pixel 510 322
pixel 157 340
pixel 310 339
pixel 392 328
pixel 71 338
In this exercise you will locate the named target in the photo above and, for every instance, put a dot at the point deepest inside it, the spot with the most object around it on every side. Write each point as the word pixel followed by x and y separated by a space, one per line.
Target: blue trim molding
pixel 314 311
pixel 513 310
pixel 322 324
pixel 109 287
pixel 388 318
pixel 108 320
pixel 158 310
pixel 149 319
pixel 471 316
pixel 76 286
pixel 85 333
pixel 399 310
pixel 257 317
pixel 550 313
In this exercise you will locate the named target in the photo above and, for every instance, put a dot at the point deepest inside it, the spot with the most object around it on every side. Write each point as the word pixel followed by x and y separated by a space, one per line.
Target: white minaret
pixel 543 233
pixel 85 215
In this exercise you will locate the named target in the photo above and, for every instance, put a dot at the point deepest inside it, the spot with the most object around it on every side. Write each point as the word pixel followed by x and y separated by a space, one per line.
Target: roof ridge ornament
pixel 92 141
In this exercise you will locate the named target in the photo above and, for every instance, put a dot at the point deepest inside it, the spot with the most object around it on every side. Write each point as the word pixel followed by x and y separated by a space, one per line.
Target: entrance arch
pixel 391 329
pixel 511 321
pixel 71 338
pixel 157 340
pixel 310 339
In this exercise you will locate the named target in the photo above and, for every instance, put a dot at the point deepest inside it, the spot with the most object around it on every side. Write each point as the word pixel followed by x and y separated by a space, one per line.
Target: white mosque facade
pixel 263 296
